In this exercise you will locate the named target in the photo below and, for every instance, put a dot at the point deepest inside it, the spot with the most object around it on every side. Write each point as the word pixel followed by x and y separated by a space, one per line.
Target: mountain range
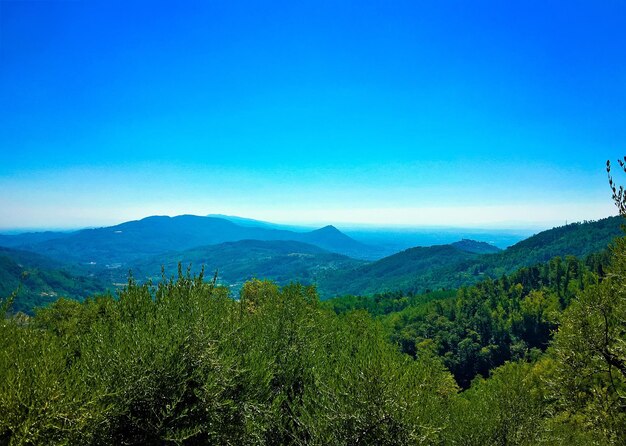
pixel 127 242
pixel 80 263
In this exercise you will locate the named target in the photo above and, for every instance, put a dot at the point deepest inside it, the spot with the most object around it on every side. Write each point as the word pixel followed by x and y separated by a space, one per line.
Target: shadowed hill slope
pixel 40 280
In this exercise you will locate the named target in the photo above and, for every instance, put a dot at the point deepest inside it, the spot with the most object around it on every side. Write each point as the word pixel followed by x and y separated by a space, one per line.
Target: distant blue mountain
pixel 127 242
pixel 28 238
pixel 475 247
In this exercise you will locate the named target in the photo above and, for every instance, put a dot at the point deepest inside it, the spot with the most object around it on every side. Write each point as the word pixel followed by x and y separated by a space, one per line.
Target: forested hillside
pixel 38 281
pixel 492 362
pixel 418 270
pixel 475 247
pixel 480 327
pixel 576 239
pixel 414 271
pixel 236 262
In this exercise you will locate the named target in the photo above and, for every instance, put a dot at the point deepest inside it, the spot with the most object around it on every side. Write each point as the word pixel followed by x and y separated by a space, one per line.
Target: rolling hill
pixel 236 262
pixel 92 257
pixel 466 262
pixel 475 247
pixel 407 270
pixel 41 280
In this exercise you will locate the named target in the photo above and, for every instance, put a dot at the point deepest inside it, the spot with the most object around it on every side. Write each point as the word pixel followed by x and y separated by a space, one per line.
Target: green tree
pixel 589 383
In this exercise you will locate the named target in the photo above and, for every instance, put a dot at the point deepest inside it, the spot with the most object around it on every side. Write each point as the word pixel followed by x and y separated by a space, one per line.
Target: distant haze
pixel 397 220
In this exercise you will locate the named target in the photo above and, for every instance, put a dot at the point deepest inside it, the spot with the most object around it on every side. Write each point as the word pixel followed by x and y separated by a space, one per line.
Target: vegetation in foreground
pixel 183 363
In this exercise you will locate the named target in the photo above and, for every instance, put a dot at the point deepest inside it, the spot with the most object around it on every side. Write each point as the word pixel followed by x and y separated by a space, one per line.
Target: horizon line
pixel 346 225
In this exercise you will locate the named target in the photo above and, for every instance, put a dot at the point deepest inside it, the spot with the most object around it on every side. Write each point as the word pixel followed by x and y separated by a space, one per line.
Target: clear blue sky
pixel 484 113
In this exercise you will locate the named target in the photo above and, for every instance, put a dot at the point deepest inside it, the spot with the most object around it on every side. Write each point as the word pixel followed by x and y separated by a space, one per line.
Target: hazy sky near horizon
pixel 485 113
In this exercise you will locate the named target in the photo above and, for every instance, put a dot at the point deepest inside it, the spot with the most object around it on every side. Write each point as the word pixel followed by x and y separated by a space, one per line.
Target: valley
pixel 99 260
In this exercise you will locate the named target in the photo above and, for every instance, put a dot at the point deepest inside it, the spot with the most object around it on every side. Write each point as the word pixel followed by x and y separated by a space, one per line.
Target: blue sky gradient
pixel 483 113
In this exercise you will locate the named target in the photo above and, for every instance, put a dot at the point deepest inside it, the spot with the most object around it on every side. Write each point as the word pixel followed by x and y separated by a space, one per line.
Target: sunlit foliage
pixel 183 363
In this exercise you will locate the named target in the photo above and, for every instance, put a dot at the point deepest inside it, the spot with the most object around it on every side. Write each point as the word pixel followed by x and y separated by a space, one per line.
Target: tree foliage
pixel 183 363
pixel 478 328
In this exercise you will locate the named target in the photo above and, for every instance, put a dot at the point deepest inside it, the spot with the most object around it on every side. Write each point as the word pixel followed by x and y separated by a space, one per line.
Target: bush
pixel 183 363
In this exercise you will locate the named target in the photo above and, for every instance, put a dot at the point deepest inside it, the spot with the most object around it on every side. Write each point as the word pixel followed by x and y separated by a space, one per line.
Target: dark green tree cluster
pixel 494 321
pixel 384 303
pixel 574 393
pixel 588 382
